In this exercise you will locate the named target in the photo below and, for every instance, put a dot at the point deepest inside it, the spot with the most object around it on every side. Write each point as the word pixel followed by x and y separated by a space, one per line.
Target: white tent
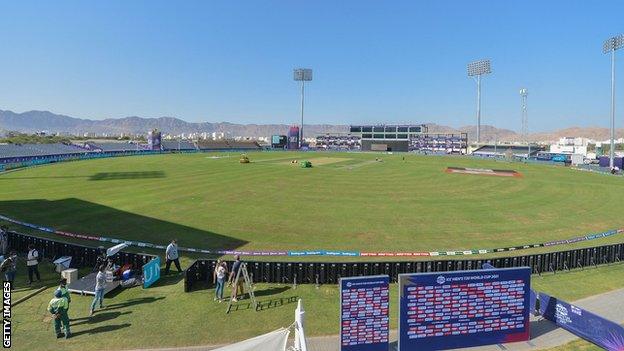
pixel 273 341
pixel 276 340
pixel 112 251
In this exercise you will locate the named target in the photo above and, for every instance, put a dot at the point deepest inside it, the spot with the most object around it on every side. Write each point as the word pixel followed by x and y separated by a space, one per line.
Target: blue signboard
pixel 364 317
pixel 591 327
pixel 151 272
pixel 447 310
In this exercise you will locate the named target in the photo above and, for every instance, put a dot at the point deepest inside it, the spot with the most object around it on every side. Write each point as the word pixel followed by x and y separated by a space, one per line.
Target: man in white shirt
pixel 100 289
pixel 32 262
pixel 171 255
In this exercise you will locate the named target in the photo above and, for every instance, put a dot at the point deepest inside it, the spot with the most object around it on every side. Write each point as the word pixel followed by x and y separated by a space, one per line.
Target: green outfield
pixel 347 201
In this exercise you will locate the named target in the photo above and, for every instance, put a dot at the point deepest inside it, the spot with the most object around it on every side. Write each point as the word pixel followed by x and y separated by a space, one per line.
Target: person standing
pixel 4 239
pixel 100 288
pixel 32 262
pixel 171 255
pixel 64 292
pixel 102 259
pixel 58 308
pixel 233 274
pixel 218 277
pixel 9 267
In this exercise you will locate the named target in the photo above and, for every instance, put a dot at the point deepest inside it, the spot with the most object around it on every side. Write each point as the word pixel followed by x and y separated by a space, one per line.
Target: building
pixel 440 143
pixel 506 151
pixel 570 146
pixel 338 141
pixel 389 137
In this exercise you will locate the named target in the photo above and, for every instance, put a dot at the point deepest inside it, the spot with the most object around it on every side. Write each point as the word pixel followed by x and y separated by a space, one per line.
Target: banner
pixel 449 310
pixel 151 272
pixel 584 324
pixel 315 252
pixel 364 313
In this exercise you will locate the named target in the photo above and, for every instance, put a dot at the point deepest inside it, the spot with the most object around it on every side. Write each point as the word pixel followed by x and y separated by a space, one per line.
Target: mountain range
pixel 36 121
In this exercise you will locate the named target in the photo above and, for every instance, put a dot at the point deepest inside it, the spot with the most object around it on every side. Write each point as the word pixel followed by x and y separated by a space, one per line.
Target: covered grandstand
pixel 440 143
pixel 112 146
pixel 338 142
pixel 21 152
pixel 178 145
pixel 502 151
pixel 221 145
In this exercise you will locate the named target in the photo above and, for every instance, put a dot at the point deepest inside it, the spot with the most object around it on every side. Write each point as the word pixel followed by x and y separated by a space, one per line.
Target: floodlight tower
pixel 524 93
pixel 609 46
pixel 477 69
pixel 302 75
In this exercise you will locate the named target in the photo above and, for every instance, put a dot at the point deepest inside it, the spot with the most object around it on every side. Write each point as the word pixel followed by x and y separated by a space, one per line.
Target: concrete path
pixel 544 334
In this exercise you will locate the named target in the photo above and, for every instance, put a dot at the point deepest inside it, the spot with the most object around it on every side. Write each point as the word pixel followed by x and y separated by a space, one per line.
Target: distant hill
pixel 34 121
pixel 595 133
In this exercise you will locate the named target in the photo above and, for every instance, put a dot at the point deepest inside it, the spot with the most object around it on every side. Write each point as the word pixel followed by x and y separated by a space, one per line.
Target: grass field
pixel 165 316
pixel 348 201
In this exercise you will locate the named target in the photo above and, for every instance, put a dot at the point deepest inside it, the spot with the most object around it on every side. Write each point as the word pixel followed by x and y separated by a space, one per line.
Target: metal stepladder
pixel 247 285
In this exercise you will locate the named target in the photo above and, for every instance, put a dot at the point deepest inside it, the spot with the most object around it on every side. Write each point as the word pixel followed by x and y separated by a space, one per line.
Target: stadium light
pixel 477 69
pixel 524 93
pixel 302 75
pixel 609 46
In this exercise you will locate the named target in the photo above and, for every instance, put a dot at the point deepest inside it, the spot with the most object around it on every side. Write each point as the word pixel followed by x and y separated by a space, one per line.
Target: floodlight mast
pixel 477 69
pixel 302 75
pixel 609 46
pixel 524 93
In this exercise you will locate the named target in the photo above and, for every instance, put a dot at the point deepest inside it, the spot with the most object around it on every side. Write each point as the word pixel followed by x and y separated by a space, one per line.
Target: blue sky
pixel 373 61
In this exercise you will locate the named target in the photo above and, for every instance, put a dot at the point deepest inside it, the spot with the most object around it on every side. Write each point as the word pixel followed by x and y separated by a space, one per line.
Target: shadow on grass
pixel 168 279
pixel 42 177
pixel 127 175
pixel 102 329
pixel 271 291
pixel 274 303
pixel 98 317
pixel 263 305
pixel 78 216
pixel 245 304
pixel 132 302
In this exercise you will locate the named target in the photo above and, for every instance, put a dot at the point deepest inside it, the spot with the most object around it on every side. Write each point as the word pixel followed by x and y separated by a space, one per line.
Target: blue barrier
pixel 151 272
pixel 582 323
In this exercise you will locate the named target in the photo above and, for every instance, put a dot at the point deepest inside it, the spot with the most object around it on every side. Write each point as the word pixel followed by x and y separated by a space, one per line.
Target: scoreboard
pixel 446 310
pixel 364 318
pixel 278 141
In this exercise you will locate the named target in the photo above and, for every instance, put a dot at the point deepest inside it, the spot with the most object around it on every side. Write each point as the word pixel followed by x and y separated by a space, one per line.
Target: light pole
pixel 302 75
pixel 524 93
pixel 609 46
pixel 477 69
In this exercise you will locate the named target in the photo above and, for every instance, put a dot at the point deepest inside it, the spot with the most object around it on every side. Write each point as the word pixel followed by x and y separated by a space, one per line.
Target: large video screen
pixel 278 140
pixel 446 310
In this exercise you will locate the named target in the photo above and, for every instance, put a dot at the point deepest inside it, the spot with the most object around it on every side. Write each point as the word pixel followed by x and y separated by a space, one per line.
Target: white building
pixel 570 146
